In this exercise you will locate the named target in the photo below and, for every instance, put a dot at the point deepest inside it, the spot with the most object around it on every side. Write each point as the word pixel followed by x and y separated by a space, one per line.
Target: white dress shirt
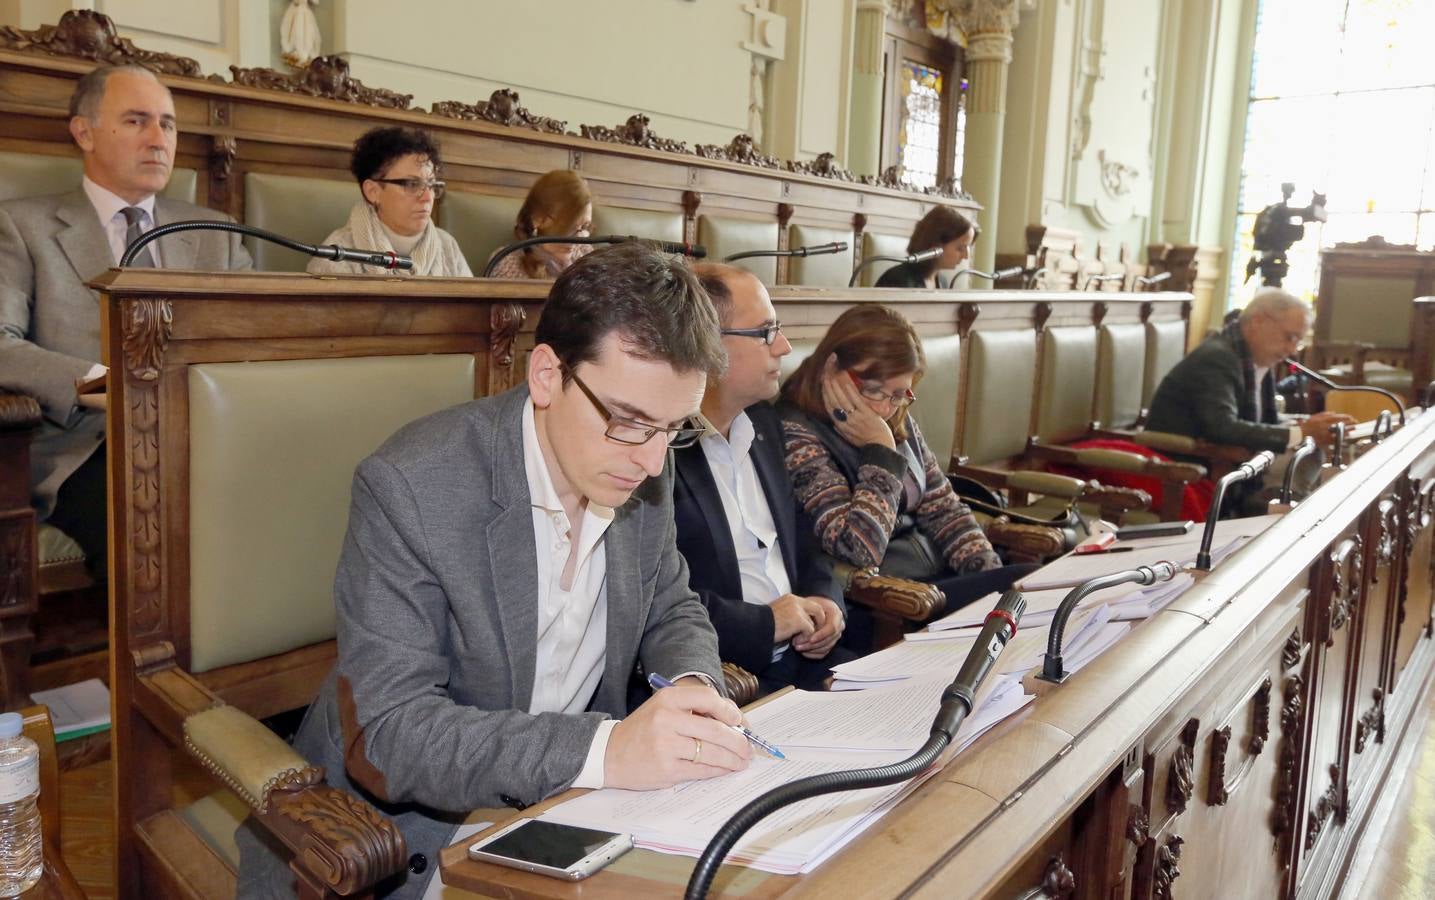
pixel 109 207
pixel 749 518
pixel 572 603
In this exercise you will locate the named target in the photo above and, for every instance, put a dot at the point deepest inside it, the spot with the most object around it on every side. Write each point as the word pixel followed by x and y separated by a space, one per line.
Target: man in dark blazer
pixel 752 554
pixel 508 564
pixel 123 120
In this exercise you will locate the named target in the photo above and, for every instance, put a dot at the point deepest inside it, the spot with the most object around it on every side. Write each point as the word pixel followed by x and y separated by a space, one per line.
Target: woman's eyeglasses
pixel 415 187
pixel 630 431
pixel 874 393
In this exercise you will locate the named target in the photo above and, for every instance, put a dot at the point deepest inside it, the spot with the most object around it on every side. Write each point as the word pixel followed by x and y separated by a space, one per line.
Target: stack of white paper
pixel 903 660
pixel 77 709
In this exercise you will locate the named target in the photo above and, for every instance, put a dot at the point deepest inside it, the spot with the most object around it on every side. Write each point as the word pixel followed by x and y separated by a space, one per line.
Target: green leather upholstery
pixel 1068 383
pixel 723 236
pixel 1000 383
pixel 936 406
pixel 481 223
pixel 56 547
pixel 1165 346
pixel 264 435
pixel 1119 375
pixel 34 174
pixel 305 209
pixel 877 244
pixel 643 223
pixel 1373 309
pixel 831 270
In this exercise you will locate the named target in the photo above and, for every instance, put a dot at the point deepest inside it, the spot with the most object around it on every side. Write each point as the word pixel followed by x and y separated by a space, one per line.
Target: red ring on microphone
pixel 393 262
pixel 1003 614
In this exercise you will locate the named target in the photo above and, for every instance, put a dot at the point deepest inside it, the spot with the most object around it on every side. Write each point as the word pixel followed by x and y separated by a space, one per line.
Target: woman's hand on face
pixel 862 426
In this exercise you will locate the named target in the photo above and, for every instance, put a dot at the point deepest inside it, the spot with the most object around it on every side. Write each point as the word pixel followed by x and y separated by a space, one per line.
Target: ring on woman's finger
pixel 697 749
pixel 839 414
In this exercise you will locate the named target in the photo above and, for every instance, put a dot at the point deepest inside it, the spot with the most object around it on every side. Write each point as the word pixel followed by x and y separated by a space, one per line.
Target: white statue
pixel 299 36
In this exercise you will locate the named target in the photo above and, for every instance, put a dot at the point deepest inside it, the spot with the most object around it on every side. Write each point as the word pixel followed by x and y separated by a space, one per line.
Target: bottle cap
pixel 11 724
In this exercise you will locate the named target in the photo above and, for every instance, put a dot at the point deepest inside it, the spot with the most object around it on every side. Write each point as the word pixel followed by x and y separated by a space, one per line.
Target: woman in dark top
pixel 942 227
pixel 860 468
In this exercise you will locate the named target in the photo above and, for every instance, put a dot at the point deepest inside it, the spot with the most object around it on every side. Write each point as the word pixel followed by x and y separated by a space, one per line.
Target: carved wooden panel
pixel 1372 722
pixel 86 34
pixel 1292 724
pixel 145 326
pixel 1181 782
pixel 1327 804
pixel 1167 869
pixel 505 320
pixel 1345 567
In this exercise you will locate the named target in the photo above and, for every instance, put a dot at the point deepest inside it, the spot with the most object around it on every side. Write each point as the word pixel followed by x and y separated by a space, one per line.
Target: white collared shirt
pixel 109 207
pixel 572 617
pixel 749 518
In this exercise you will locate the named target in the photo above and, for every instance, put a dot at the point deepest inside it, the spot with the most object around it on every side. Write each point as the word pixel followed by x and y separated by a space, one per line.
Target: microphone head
pixel 1007 272
pixel 839 246
pixel 924 255
pixel 1258 463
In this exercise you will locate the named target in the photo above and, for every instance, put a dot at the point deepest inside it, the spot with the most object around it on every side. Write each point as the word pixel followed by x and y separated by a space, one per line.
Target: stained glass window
pixel 1343 102
pixel 919 133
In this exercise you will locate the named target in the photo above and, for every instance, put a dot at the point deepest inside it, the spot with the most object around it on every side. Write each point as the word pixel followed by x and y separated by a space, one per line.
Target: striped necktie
pixel 132 215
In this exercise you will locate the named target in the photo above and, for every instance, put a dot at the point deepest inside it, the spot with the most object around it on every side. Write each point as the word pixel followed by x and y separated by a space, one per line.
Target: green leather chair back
pixel 1000 383
pixel 1068 383
pixel 481 223
pixel 35 174
pixel 1120 374
pixel 1165 346
pixel 877 244
pixel 1374 309
pixel 831 270
pixel 643 223
pixel 273 447
pixel 936 406
pixel 724 236
pixel 302 208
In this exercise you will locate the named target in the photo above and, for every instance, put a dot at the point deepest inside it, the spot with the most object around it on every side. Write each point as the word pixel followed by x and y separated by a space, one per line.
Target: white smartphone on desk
pixel 547 848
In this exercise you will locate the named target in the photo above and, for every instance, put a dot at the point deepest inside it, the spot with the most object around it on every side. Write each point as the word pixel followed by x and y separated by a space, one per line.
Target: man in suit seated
pixel 509 562
pixel 752 553
pixel 1223 392
pixel 123 120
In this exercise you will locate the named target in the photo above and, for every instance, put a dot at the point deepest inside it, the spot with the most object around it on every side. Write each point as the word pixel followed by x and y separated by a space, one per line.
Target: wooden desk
pixel 1234 741
pixel 57 883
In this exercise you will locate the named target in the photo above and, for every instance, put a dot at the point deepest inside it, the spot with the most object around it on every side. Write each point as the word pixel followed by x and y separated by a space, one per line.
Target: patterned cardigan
pixel 854 522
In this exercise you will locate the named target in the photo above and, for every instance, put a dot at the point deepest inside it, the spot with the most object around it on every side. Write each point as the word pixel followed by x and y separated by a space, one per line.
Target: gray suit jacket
pixel 425 712
pixel 50 246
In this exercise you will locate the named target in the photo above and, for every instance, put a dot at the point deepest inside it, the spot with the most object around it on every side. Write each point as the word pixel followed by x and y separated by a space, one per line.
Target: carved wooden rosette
pixel 1058 882
pixel 337 834
pixel 145 327
pixel 501 108
pixel 1181 783
pixel 1138 825
pixel 86 34
pixel 1328 803
pixel 741 149
pixel 824 166
pixel 1293 693
pixel 504 320
pixel 1372 722
pixel 636 132
pixel 327 77
pixel 1167 870
pixel 223 149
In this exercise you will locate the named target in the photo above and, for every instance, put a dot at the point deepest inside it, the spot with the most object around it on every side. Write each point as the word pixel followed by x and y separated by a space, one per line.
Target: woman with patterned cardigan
pixel 864 474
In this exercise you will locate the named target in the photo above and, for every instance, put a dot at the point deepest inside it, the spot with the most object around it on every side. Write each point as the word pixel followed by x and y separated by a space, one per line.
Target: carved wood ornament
pixel 327 77
pixel 1290 653
pixel 17 560
pixel 145 327
pixel 1138 825
pixel 353 843
pixel 636 132
pixel 1343 591
pixel 1328 803
pixel 1216 792
pixel 824 166
pixel 1167 870
pixel 1372 722
pixel 741 149
pixel 501 108
pixel 91 35
pixel 1284 814
pixel 504 319
pixel 1181 782
pixel 1261 718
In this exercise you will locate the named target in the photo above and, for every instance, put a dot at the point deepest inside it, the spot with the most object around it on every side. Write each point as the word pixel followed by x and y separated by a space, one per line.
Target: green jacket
pixel 1205 397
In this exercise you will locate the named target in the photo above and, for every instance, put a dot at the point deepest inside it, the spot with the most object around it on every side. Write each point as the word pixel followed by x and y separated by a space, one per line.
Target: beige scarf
pixel 368 232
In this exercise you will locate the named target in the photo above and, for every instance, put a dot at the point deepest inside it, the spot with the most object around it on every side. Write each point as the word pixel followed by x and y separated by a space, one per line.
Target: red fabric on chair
pixel 1195 497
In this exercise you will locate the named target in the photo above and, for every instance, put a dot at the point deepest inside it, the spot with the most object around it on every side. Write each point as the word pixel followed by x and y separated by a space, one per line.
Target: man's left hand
pixel 830 623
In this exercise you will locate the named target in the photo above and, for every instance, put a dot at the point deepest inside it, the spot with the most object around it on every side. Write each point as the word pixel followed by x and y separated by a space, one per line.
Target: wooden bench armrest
pixel 1115 500
pixel 740 683
pixel 18 412
pixel 339 840
pixel 914 601
pixel 1024 539
pixel 1048 484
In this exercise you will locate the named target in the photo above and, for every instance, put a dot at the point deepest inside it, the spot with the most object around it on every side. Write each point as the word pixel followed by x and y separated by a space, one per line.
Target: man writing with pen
pixel 508 564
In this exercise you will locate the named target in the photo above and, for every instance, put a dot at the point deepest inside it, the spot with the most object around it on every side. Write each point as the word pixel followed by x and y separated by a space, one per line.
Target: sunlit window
pixel 1342 102
pixel 919 133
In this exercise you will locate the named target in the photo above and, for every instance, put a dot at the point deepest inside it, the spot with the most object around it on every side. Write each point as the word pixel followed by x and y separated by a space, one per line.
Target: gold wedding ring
pixel 698 750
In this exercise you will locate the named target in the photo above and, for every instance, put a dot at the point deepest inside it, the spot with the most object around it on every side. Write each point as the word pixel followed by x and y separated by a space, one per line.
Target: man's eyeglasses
pixel 874 393
pixel 765 333
pixel 630 431
pixel 415 187
pixel 1296 338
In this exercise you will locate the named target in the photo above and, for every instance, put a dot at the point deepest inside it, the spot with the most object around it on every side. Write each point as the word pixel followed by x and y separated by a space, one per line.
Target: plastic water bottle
pixel 22 857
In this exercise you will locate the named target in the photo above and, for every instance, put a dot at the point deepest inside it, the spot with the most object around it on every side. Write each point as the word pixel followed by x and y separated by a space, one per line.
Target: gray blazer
pixel 50 246
pixel 425 712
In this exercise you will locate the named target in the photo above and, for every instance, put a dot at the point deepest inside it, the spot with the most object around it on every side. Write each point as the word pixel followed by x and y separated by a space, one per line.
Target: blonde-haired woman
pixel 558 205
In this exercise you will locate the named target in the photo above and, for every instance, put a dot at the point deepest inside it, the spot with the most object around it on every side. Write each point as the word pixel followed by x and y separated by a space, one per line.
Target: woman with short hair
pixel 397 170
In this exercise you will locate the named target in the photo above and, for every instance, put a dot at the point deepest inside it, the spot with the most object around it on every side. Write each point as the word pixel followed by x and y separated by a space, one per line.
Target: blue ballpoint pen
pixel 657 682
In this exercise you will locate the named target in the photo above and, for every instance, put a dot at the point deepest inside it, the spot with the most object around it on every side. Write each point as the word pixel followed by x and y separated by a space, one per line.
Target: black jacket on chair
pixel 745 629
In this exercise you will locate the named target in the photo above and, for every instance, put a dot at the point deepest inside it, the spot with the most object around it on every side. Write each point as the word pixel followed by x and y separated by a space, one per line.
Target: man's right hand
pixel 790 618
pixel 656 745
pixel 1318 425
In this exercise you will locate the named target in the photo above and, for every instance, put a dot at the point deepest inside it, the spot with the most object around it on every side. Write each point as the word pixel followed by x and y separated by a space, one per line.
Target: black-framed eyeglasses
pixel 765 333
pixel 630 431
pixel 415 187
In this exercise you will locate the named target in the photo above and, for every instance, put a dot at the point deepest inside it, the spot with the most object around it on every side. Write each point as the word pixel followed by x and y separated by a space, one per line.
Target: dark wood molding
pixel 824 166
pixel 86 34
pixel 1216 792
pixel 1167 868
pixel 501 108
pixel 1292 711
pixel 327 77
pixel 1291 652
pixel 636 132
pixel 1181 782
pixel 1261 718
pixel 742 149
pixel 1372 722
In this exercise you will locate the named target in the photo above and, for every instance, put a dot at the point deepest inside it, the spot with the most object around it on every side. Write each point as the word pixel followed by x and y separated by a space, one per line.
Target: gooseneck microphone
pixel 1244 472
pixel 957 702
pixel 920 256
pixel 383 259
pixel 813 250
pixel 1329 385
pixel 1149 280
pixel 1052 668
pixel 1305 449
pixel 696 251
pixel 1102 279
pixel 998 275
